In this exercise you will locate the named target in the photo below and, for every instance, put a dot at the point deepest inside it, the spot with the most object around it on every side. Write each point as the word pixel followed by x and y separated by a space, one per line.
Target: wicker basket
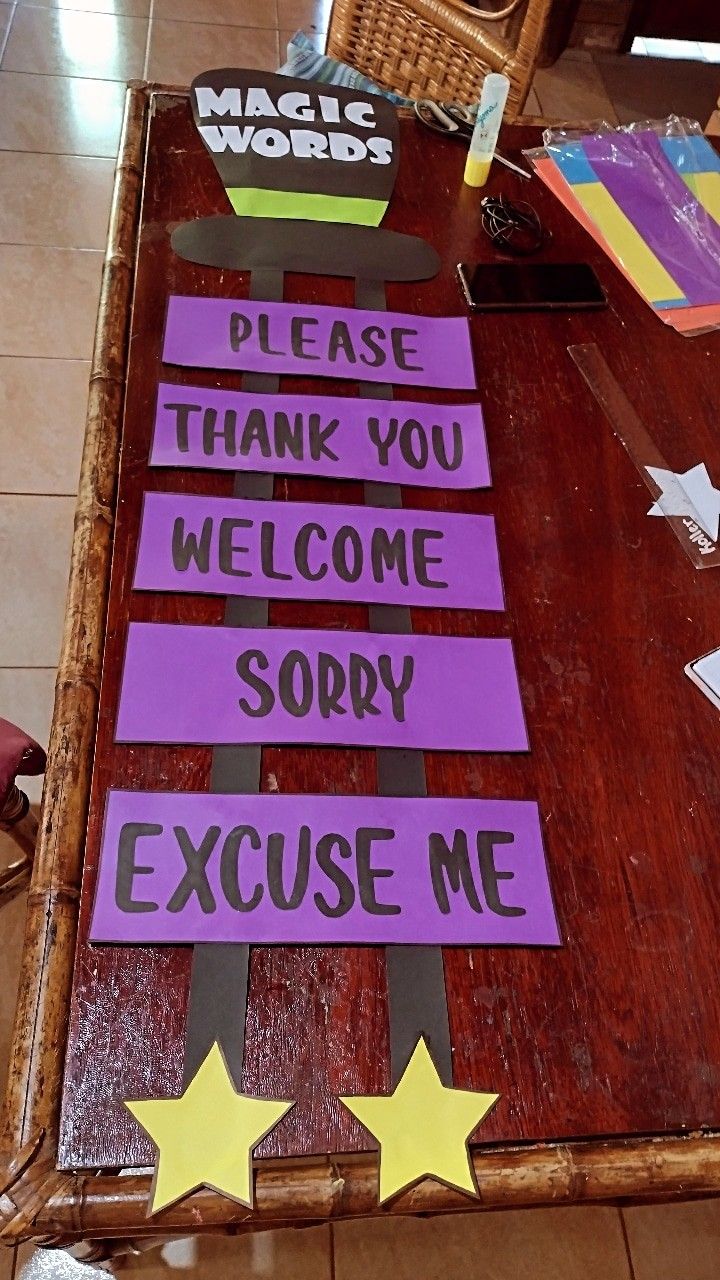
pixel 435 48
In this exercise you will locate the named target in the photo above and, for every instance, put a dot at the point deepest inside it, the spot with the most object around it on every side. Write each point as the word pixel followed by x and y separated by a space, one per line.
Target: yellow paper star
pixel 423 1127
pixel 206 1137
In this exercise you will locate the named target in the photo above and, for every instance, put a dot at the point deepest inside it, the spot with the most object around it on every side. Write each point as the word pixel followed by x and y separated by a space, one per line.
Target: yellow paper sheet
pixel 706 188
pixel 645 270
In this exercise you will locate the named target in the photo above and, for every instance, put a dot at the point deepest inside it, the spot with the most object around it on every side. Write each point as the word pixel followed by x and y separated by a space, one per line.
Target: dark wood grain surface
pixel 618 1032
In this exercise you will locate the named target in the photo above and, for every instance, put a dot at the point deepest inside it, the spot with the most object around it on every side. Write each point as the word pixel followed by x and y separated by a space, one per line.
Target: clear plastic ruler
pixel 698 545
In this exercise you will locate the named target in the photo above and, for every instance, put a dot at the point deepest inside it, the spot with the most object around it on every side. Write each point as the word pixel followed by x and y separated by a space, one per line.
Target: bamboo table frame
pixel 40 1203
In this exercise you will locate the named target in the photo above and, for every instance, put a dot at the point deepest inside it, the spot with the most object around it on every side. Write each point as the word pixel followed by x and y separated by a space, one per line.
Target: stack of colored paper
pixel 650 196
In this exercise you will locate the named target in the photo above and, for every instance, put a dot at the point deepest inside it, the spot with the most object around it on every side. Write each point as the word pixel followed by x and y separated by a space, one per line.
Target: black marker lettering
pixel 382 445
pixel 455 865
pixel 421 559
pixel 372 342
pixel 267 553
pixel 342 882
pixel 127 868
pixel 226 433
pixel 187 548
pixel 397 691
pixel 255 432
pixel 264 336
pixel 195 878
pixel 275 862
pixel 363 685
pixel 302 544
pixel 347 554
pixel 182 414
pixel 414 445
pixel 230 869
pixel 240 329
pixel 340 340
pixel 367 874
pixel 331 686
pixel 318 437
pixel 261 687
pixel 490 874
pixel 228 550
pixel 295 661
pixel 401 352
pixel 299 340
pixel 389 553
pixel 288 439
pixel 440 451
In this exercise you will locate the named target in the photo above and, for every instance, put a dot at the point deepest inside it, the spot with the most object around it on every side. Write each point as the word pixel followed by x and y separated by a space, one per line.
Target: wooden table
pixel 607 1051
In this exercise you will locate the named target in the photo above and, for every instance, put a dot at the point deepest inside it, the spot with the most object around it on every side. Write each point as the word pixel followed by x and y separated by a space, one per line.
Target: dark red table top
pixel 618 1032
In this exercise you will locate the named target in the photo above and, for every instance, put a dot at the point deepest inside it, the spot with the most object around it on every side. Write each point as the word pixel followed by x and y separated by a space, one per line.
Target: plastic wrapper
pixel 649 193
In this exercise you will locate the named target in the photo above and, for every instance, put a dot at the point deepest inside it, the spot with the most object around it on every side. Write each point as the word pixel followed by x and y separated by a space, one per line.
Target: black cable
pixel 513 227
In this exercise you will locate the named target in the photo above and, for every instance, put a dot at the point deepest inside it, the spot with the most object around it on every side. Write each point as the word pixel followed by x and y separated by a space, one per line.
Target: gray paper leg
pixel 415 975
pixel 216 1008
pixel 219 978
pixel 418 1006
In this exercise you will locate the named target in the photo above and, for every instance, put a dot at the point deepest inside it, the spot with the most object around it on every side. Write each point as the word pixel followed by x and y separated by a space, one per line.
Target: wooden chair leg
pixel 22 826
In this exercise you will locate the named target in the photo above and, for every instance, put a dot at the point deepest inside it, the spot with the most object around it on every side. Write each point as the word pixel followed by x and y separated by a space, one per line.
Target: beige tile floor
pixel 62 64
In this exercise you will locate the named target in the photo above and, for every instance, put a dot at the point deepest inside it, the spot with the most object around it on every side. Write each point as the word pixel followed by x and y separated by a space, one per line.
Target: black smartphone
pixel 530 286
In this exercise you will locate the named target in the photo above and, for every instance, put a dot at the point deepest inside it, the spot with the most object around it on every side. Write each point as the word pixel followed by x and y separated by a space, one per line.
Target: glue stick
pixel 487 127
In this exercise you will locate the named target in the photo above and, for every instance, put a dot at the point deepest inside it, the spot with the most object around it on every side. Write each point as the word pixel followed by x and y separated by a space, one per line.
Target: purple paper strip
pixel 339 869
pixel 649 190
pixel 324 342
pixel 317 551
pixel 400 442
pixel 234 684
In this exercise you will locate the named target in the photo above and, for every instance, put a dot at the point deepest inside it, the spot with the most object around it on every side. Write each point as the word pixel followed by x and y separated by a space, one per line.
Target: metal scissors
pixel 457 121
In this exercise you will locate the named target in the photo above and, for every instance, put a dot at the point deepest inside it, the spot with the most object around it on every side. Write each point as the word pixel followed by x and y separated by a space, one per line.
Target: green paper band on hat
pixel 258 202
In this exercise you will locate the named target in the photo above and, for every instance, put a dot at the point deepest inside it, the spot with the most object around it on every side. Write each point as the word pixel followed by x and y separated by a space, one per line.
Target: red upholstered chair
pixel 19 754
